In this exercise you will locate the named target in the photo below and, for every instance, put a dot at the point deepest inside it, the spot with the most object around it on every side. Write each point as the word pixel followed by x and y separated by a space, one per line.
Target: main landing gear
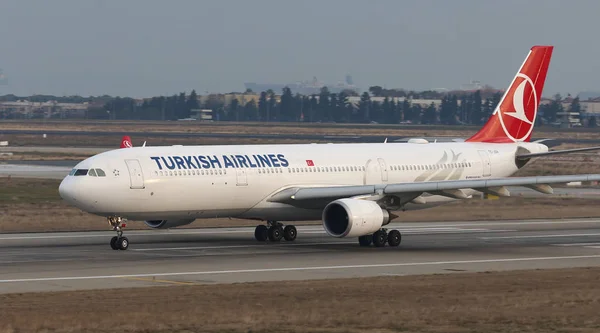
pixel 119 242
pixel 275 231
pixel 380 237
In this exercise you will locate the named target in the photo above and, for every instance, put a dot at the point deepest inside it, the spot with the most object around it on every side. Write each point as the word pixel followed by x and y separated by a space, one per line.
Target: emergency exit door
pixel 485 163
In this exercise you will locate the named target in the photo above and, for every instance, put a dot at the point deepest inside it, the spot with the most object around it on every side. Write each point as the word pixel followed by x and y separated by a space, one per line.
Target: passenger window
pixel 81 172
pixel 92 173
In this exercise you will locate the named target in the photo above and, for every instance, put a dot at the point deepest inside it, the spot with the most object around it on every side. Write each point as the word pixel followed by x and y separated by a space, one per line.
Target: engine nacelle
pixel 166 224
pixel 353 217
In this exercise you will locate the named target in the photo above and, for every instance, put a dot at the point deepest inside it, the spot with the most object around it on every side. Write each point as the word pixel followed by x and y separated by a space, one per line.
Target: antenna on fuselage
pixel 144 145
pixel 385 141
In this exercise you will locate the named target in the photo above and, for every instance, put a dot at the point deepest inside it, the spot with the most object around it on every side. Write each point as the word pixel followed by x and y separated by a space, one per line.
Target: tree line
pixel 377 105
pixel 464 108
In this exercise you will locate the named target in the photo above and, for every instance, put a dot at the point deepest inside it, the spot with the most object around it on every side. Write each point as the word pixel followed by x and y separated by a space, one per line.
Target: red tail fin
pixel 514 117
pixel 126 142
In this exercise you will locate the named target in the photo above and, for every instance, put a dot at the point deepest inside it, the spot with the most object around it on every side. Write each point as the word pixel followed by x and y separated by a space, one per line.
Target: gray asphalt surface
pixel 69 261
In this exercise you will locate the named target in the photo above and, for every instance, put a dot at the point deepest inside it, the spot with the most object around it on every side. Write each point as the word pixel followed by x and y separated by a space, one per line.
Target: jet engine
pixel 166 224
pixel 353 217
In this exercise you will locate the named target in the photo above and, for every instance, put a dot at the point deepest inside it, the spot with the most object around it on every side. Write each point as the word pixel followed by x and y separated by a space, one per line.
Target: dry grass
pixel 30 205
pixel 277 128
pixel 527 301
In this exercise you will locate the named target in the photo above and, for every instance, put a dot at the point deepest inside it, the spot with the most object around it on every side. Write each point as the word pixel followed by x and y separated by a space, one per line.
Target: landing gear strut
pixel 118 242
pixel 275 231
pixel 380 237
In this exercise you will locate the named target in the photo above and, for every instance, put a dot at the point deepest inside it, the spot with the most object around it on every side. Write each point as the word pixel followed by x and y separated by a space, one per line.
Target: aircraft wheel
pixel 123 243
pixel 275 233
pixel 261 233
pixel 394 238
pixel 379 238
pixel 290 233
pixel 365 240
pixel 113 243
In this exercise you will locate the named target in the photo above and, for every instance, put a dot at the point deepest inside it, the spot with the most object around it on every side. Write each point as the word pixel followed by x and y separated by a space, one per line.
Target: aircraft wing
pixel 315 197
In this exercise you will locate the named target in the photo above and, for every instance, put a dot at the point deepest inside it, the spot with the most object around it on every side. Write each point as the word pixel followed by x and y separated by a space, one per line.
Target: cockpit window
pixel 100 173
pixel 80 172
pixel 72 172
pixel 92 173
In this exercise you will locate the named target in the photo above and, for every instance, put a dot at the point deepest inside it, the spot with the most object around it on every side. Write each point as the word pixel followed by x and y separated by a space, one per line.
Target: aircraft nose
pixel 66 189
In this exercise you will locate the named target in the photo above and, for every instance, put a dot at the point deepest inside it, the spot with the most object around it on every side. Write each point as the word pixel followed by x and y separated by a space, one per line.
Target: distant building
pixel 355 100
pixel 202 114
pixel 472 86
pixel 303 87
pixel 50 109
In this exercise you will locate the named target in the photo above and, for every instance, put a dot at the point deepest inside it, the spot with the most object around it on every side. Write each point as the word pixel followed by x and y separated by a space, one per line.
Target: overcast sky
pixel 150 47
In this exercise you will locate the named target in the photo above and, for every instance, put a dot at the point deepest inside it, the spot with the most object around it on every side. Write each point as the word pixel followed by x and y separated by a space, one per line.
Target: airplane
pixel 354 189
pixel 126 142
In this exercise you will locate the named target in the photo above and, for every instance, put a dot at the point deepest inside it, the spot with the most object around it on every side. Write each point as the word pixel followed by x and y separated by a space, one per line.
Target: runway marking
pixel 292 269
pixel 578 244
pixel 430 231
pixel 539 236
pixel 160 281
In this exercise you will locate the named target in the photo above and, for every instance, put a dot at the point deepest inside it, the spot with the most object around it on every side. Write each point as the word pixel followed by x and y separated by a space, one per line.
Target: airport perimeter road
pixel 69 261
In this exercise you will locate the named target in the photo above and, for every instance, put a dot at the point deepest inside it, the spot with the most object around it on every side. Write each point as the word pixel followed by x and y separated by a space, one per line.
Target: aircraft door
pixel 241 177
pixel 485 163
pixel 136 177
pixel 384 170
pixel 373 173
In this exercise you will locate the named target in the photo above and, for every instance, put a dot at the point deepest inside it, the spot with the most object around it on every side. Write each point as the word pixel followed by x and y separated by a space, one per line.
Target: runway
pixel 70 261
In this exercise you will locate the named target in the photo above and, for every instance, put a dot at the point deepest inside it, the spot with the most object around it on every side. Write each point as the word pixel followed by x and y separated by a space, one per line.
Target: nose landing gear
pixel 118 242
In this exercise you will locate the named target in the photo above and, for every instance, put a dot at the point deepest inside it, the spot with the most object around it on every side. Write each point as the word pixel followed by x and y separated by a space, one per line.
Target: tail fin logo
pixel 126 142
pixel 518 109
pixel 514 117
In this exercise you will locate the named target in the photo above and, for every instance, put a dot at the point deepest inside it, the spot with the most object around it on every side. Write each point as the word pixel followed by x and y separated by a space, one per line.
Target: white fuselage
pixel 187 182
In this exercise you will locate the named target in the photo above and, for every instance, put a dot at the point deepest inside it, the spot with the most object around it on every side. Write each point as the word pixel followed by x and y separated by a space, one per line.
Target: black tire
pixel 379 238
pixel 365 240
pixel 261 233
pixel 123 243
pixel 394 238
pixel 275 233
pixel 290 233
pixel 113 243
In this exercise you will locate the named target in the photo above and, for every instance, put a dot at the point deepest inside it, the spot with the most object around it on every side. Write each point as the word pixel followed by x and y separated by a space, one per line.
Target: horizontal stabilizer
pixel 556 152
